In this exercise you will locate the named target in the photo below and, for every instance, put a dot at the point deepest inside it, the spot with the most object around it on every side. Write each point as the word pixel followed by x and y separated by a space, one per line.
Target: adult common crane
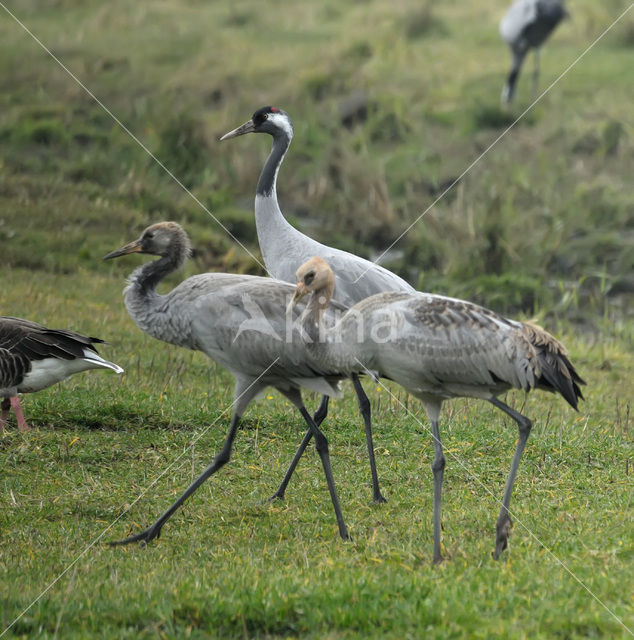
pixel 439 348
pixel 284 249
pixel 33 357
pixel 240 322
pixel 526 25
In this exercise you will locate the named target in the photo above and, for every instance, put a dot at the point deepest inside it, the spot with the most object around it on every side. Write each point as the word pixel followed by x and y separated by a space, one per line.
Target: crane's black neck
pixel 268 177
pixel 146 278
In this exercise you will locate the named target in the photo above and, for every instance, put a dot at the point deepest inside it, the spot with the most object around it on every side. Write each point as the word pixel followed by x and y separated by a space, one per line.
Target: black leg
pixel 322 449
pixel 438 467
pixel 154 531
pixel 319 417
pixel 508 92
pixel 364 407
pixel 504 522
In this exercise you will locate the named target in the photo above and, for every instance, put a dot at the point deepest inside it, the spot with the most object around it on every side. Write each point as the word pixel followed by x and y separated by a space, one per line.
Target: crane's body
pixel 34 357
pixel 525 26
pixel 240 322
pixel 285 248
pixel 439 348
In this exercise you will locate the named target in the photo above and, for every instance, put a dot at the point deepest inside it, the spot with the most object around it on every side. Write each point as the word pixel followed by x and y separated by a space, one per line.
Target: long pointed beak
pixel 247 127
pixel 300 292
pixel 132 247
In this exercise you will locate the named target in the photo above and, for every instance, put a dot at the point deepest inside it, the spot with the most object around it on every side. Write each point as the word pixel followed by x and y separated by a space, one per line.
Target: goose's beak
pixel 300 292
pixel 247 127
pixel 132 247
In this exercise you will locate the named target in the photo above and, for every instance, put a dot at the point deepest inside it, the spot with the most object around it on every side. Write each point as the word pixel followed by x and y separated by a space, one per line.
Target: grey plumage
pixel 526 25
pixel 33 357
pixel 284 249
pixel 238 321
pixel 439 348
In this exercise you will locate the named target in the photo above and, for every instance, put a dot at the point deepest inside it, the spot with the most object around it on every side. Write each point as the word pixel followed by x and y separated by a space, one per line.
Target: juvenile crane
pixel 33 357
pixel 526 25
pixel 240 322
pixel 284 249
pixel 439 348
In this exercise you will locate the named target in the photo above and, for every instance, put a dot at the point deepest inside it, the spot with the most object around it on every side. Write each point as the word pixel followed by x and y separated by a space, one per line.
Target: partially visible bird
pixel 33 357
pixel 284 249
pixel 526 25
pixel 439 348
pixel 241 323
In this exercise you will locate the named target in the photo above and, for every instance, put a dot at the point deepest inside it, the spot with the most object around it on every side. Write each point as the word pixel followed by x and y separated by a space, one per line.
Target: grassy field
pixel 541 227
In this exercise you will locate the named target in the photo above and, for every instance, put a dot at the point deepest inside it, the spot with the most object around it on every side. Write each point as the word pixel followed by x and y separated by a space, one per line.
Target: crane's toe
pixel 143 537
pixel 503 528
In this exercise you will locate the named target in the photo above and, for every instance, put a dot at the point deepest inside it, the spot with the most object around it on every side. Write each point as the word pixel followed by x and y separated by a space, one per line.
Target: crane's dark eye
pixel 265 116
pixel 309 277
pixel 149 235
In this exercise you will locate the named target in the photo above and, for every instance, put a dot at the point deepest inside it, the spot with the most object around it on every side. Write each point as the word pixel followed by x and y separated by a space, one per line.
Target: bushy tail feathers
pixel 557 372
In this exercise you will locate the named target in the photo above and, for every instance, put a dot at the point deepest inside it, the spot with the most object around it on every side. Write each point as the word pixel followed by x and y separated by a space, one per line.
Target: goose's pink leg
pixel 6 406
pixel 17 408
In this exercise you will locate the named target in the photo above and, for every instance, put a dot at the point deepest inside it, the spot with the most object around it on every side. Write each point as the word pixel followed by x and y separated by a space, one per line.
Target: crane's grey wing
pixel 454 344
pixel 247 325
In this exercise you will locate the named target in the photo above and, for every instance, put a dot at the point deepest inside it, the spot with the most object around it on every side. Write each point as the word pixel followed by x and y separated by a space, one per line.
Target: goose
pixel 240 322
pixel 284 249
pixel 438 348
pixel 34 357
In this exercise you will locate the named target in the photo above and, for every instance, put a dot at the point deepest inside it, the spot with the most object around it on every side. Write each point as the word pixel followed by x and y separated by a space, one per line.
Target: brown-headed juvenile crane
pixel 241 323
pixel 33 357
pixel 438 348
pixel 284 249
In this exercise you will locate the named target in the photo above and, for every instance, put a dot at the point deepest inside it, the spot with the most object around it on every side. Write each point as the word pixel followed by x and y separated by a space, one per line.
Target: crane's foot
pixel 345 535
pixel 503 528
pixel 378 498
pixel 278 495
pixel 143 537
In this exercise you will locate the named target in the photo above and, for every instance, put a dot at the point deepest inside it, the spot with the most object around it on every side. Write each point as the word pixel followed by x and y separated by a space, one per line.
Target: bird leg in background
pixel 364 407
pixel 535 72
pixel 508 92
pixel 319 417
pixel 504 522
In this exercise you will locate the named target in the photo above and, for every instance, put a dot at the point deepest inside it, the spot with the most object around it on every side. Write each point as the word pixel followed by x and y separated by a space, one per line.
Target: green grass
pixel 541 227
pixel 230 565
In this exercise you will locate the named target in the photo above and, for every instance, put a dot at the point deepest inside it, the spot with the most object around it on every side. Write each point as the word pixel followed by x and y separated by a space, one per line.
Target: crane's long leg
pixel 508 91
pixel 438 467
pixel 319 417
pixel 364 407
pixel 321 443
pixel 504 522
pixel 243 394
